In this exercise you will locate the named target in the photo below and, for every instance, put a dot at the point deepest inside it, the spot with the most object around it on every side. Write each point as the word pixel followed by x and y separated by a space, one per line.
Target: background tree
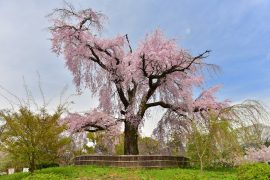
pixel 31 137
pixel 148 146
pixel 101 144
pixel 220 136
pixel 119 147
pixel 248 118
pixel 214 146
pixel 1 129
pixel 128 81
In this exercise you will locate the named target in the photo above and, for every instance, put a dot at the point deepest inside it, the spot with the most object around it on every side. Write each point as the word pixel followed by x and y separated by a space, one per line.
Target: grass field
pixel 90 172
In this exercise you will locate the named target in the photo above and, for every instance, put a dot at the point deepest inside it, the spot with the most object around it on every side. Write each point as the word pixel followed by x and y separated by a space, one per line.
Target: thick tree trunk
pixel 131 139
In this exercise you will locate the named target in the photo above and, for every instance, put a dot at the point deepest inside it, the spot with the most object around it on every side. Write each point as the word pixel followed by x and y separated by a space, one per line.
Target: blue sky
pixel 237 32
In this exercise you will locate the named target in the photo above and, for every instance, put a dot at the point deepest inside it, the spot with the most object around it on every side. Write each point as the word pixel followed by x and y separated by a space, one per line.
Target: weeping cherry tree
pixel 127 81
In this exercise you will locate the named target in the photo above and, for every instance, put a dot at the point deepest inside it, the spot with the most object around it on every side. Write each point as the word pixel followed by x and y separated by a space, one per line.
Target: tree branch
pixel 176 68
pixel 144 66
pixel 107 53
pixel 117 84
pixel 159 103
pixel 130 49
pixel 121 95
pixel 96 59
pixel 146 97
pixel 200 56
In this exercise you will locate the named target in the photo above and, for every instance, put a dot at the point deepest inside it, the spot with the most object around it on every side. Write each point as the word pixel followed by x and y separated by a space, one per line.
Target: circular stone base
pixel 144 161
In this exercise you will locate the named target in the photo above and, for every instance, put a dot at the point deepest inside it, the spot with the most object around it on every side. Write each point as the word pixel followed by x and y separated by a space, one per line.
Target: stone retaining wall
pixel 150 161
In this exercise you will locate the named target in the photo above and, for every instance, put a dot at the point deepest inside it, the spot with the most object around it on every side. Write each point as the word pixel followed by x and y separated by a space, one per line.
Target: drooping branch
pixel 87 17
pixel 117 82
pixel 92 122
pixel 93 128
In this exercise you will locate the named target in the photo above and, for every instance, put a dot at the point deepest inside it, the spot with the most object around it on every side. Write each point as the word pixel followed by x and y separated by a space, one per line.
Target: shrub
pixel 47 165
pixel 45 177
pixel 32 137
pixel 253 171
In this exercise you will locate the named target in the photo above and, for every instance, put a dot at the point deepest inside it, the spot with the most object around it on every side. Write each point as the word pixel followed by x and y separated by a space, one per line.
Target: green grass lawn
pixel 91 172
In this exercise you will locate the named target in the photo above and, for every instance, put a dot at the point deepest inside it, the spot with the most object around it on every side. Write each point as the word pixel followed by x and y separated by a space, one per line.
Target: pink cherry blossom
pixel 253 155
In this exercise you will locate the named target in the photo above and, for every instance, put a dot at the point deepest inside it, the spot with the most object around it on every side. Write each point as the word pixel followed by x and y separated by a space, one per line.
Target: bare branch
pixel 10 93
pixel 200 56
pixel 40 89
pixel 130 49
